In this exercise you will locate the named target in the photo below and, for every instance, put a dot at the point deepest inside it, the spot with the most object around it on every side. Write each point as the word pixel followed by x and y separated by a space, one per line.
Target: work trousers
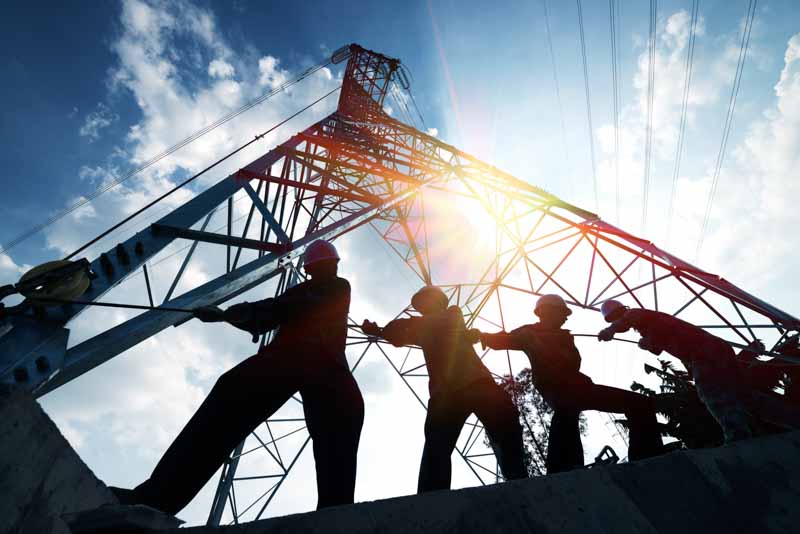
pixel 447 413
pixel 564 448
pixel 243 398
pixel 719 386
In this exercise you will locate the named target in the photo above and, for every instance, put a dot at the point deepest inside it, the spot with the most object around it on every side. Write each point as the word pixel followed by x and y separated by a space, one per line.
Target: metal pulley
pixel 341 54
pixel 55 281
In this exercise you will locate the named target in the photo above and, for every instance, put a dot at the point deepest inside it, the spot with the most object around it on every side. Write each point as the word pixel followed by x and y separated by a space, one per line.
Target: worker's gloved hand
pixel 370 328
pixel 606 334
pixel 209 314
pixel 755 346
pixel 473 336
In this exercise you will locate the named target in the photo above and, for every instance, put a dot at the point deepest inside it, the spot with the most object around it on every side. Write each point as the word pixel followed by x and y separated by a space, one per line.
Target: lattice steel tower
pixel 359 166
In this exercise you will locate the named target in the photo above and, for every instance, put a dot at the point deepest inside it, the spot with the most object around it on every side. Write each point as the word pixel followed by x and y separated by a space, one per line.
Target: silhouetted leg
pixel 334 413
pixel 500 419
pixel 564 447
pixel 645 437
pixel 719 388
pixel 241 399
pixel 446 416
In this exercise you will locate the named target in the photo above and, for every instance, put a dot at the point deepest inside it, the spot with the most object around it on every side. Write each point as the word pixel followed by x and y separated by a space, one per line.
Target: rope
pixel 117 305
pixel 194 177
pixel 158 157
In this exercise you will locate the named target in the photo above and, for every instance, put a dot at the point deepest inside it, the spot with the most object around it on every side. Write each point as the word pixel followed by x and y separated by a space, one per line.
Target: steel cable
pixel 684 107
pixel 588 105
pixel 158 157
pixel 726 130
pixel 197 175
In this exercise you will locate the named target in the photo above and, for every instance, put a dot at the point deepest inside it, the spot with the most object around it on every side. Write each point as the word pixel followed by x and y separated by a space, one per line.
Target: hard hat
pixel 428 294
pixel 319 250
pixel 551 301
pixel 612 310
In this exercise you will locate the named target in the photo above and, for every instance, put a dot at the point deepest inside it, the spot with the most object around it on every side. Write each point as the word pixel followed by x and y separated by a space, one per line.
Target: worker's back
pixel 676 336
pixel 554 358
pixel 449 356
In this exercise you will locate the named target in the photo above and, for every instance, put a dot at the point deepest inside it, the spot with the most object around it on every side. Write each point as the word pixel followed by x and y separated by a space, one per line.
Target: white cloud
pixel 96 121
pixel 754 203
pixel 9 270
pixel 271 74
pixel 434 132
pixel 220 68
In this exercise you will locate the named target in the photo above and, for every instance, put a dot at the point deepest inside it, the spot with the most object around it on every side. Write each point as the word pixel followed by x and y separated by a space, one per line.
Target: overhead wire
pixel 684 108
pixel 651 82
pixel 556 84
pixel 197 175
pixel 588 105
pixel 612 5
pixel 416 107
pixel 161 155
pixel 407 71
pixel 726 130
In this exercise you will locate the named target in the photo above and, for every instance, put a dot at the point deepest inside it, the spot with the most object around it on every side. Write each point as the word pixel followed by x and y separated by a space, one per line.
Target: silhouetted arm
pixel 399 332
pixel 514 340
pixel 623 324
pixel 255 317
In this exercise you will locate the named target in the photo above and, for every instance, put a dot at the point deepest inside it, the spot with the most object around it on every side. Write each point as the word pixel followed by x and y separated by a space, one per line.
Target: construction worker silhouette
pixel 709 359
pixel 555 366
pixel 307 355
pixel 459 385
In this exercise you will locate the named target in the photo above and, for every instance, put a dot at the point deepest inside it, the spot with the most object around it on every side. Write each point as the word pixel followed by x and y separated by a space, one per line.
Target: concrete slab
pixel 736 488
pixel 41 476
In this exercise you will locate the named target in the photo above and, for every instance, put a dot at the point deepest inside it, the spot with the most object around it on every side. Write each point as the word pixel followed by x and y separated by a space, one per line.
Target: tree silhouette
pixel 535 415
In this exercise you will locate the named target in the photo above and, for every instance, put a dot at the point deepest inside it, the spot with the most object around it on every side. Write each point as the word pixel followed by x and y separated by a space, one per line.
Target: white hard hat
pixel 320 250
pixel 611 310
pixel 551 301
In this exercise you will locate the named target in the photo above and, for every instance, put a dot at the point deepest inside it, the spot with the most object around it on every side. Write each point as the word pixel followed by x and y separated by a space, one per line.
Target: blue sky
pixel 93 88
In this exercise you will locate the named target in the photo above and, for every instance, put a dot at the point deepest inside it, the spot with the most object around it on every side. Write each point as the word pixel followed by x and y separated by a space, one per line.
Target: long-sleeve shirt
pixel 311 317
pixel 555 360
pixel 683 340
pixel 449 356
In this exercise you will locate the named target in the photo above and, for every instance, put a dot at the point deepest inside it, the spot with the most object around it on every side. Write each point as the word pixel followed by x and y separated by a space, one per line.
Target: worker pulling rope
pixel 61 282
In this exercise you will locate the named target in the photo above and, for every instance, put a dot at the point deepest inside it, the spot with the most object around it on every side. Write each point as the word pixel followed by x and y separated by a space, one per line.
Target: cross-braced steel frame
pixel 356 167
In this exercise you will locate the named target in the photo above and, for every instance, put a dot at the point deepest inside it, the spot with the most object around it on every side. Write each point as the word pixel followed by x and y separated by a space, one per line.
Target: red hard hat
pixel 320 250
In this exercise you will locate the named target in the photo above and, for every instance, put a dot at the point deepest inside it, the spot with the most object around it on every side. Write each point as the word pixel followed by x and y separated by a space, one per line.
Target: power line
pixel 588 104
pixel 555 81
pixel 684 107
pixel 651 82
pixel 158 157
pixel 612 4
pixel 192 178
pixel 737 80
pixel 419 113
